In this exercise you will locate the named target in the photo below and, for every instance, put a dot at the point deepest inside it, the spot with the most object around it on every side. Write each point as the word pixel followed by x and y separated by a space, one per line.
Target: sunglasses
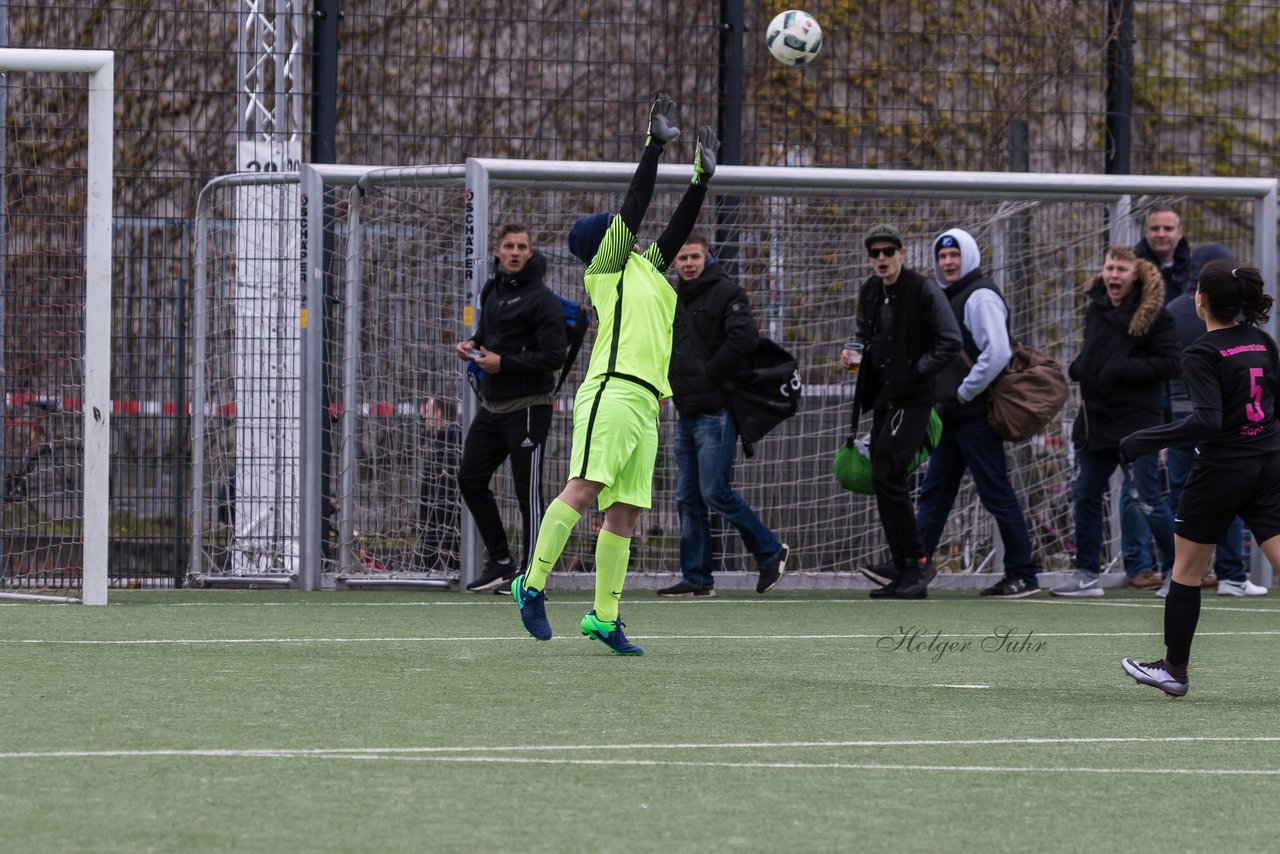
pixel 886 251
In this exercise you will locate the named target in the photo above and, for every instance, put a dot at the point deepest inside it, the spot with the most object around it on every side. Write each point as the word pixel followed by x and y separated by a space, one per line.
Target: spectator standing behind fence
pixel 1232 374
pixel 713 333
pixel 968 442
pixel 438 502
pixel 1164 245
pixel 519 344
pixel 1228 558
pixel 1130 350
pixel 615 412
pixel 909 335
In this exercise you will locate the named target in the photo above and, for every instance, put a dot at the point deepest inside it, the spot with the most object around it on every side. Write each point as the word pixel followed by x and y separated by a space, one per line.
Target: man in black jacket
pixel 909 334
pixel 711 337
pixel 1165 246
pixel 519 344
pixel 1130 350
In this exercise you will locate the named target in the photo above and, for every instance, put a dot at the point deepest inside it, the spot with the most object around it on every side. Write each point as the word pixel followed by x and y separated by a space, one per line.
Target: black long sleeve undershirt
pixel 681 226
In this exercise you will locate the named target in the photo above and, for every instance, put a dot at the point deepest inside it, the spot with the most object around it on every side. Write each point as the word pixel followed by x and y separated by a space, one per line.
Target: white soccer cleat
pixel 1240 588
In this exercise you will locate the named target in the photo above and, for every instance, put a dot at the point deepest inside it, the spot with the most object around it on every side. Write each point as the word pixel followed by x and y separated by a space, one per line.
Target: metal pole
pixel 1119 93
pixel 476 247
pixel 733 29
pixel 324 82
pixel 181 429
pixel 4 251
pixel 324 123
pixel 312 488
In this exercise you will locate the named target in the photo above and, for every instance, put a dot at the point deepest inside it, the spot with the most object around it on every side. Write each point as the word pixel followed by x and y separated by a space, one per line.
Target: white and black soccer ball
pixel 794 37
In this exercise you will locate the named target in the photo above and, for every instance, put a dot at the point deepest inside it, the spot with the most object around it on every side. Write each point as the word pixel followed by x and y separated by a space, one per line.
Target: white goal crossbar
pixel 99 65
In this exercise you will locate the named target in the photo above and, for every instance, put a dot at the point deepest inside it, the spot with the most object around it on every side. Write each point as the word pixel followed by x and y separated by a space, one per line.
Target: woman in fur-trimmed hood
pixel 1130 350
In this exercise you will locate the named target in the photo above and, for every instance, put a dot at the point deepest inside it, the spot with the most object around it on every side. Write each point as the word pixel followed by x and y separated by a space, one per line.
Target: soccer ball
pixel 794 37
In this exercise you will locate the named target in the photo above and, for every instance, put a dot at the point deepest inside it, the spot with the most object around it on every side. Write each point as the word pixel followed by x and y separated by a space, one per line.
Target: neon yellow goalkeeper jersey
pixel 635 306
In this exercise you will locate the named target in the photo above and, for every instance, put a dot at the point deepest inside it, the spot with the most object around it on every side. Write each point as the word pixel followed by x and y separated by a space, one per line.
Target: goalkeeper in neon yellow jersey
pixel 615 412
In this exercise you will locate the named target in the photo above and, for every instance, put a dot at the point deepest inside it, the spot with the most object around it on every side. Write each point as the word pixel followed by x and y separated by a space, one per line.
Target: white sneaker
pixel 1240 588
pixel 1163 592
pixel 1079 585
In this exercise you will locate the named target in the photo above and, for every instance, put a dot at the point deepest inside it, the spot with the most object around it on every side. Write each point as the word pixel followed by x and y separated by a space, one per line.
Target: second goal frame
pixel 471 216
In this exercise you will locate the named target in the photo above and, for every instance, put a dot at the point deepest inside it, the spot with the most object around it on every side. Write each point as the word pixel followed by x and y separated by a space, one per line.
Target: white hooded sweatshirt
pixel 985 316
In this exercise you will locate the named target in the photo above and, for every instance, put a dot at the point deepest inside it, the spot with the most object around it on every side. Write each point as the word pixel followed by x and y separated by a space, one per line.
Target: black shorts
pixel 1218 491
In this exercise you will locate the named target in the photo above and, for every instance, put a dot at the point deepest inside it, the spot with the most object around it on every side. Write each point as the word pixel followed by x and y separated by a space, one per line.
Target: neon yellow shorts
pixel 615 440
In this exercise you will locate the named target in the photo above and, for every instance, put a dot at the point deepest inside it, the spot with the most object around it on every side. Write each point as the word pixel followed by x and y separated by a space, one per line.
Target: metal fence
pixel 916 84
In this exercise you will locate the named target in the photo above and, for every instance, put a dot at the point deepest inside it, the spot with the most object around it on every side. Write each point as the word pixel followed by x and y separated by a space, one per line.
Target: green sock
pixel 553 533
pixel 612 555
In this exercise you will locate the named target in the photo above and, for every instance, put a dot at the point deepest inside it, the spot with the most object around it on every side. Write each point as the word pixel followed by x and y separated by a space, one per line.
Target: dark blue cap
pixel 586 234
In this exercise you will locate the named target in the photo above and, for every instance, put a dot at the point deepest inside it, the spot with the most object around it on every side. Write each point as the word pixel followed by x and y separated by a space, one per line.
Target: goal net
pixel 411 250
pixel 55 322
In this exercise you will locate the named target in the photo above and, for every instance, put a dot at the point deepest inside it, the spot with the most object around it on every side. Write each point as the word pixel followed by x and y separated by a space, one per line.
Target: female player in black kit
pixel 1232 373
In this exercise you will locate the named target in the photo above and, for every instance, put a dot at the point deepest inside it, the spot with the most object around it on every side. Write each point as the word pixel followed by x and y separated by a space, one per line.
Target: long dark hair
pixel 1234 291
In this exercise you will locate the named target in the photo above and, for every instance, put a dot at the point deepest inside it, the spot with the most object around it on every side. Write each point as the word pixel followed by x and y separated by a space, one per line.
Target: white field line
pixel 479 602
pixel 495 754
pixel 523 637
pixel 850 766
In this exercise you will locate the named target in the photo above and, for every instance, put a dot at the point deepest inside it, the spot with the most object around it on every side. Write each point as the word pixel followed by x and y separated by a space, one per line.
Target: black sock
pixel 1181 614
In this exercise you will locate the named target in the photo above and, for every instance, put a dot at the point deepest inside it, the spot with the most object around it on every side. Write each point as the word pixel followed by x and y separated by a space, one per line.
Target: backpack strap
pixel 577 329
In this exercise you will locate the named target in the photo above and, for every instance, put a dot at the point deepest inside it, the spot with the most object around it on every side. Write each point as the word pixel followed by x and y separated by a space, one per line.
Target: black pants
pixel 896 435
pixel 520 435
pixel 438 509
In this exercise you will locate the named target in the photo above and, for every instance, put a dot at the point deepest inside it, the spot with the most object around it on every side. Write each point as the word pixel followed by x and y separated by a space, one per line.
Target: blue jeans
pixel 1089 491
pixel 972 445
pixel 705 449
pixel 1228 558
pixel 1135 534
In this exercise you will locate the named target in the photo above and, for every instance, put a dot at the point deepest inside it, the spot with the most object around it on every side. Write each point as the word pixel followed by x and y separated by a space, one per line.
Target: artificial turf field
pixel 344 721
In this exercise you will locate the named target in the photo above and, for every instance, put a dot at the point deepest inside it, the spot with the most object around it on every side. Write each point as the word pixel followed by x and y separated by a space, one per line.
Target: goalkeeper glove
pixel 660 118
pixel 704 155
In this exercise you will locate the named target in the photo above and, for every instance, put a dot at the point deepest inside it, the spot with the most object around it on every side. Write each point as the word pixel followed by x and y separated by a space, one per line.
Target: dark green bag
pixel 852 466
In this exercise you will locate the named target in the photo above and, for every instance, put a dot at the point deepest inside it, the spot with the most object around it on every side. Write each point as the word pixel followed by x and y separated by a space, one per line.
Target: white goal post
pixel 389 278
pixel 95 397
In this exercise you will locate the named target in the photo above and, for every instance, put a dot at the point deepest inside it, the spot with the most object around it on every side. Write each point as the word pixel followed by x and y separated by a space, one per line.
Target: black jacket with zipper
pixel 1129 351
pixel 713 333
pixel 899 363
pixel 523 322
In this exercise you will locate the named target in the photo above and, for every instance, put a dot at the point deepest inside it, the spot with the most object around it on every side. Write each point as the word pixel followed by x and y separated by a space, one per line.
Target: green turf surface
pixel 285 721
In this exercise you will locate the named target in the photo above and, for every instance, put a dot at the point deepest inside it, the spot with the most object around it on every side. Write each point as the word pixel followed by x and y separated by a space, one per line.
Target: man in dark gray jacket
pixel 909 334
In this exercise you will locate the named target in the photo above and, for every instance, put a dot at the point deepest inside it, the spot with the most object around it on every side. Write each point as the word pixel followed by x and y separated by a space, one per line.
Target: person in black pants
pixel 1232 373
pixel 909 334
pixel 519 344
pixel 437 546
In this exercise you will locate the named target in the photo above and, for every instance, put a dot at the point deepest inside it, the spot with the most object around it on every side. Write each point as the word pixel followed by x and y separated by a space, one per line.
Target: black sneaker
pixel 915 579
pixel 772 570
pixel 1157 675
pixel 1011 587
pixel 881 573
pixel 495 575
pixel 683 589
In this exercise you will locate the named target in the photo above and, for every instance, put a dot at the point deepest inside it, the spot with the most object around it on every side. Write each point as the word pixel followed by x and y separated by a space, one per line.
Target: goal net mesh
pixel 396 390
pixel 42 331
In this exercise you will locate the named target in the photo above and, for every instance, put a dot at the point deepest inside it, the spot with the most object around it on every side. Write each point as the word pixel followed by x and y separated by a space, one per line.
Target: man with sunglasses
pixel 909 334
